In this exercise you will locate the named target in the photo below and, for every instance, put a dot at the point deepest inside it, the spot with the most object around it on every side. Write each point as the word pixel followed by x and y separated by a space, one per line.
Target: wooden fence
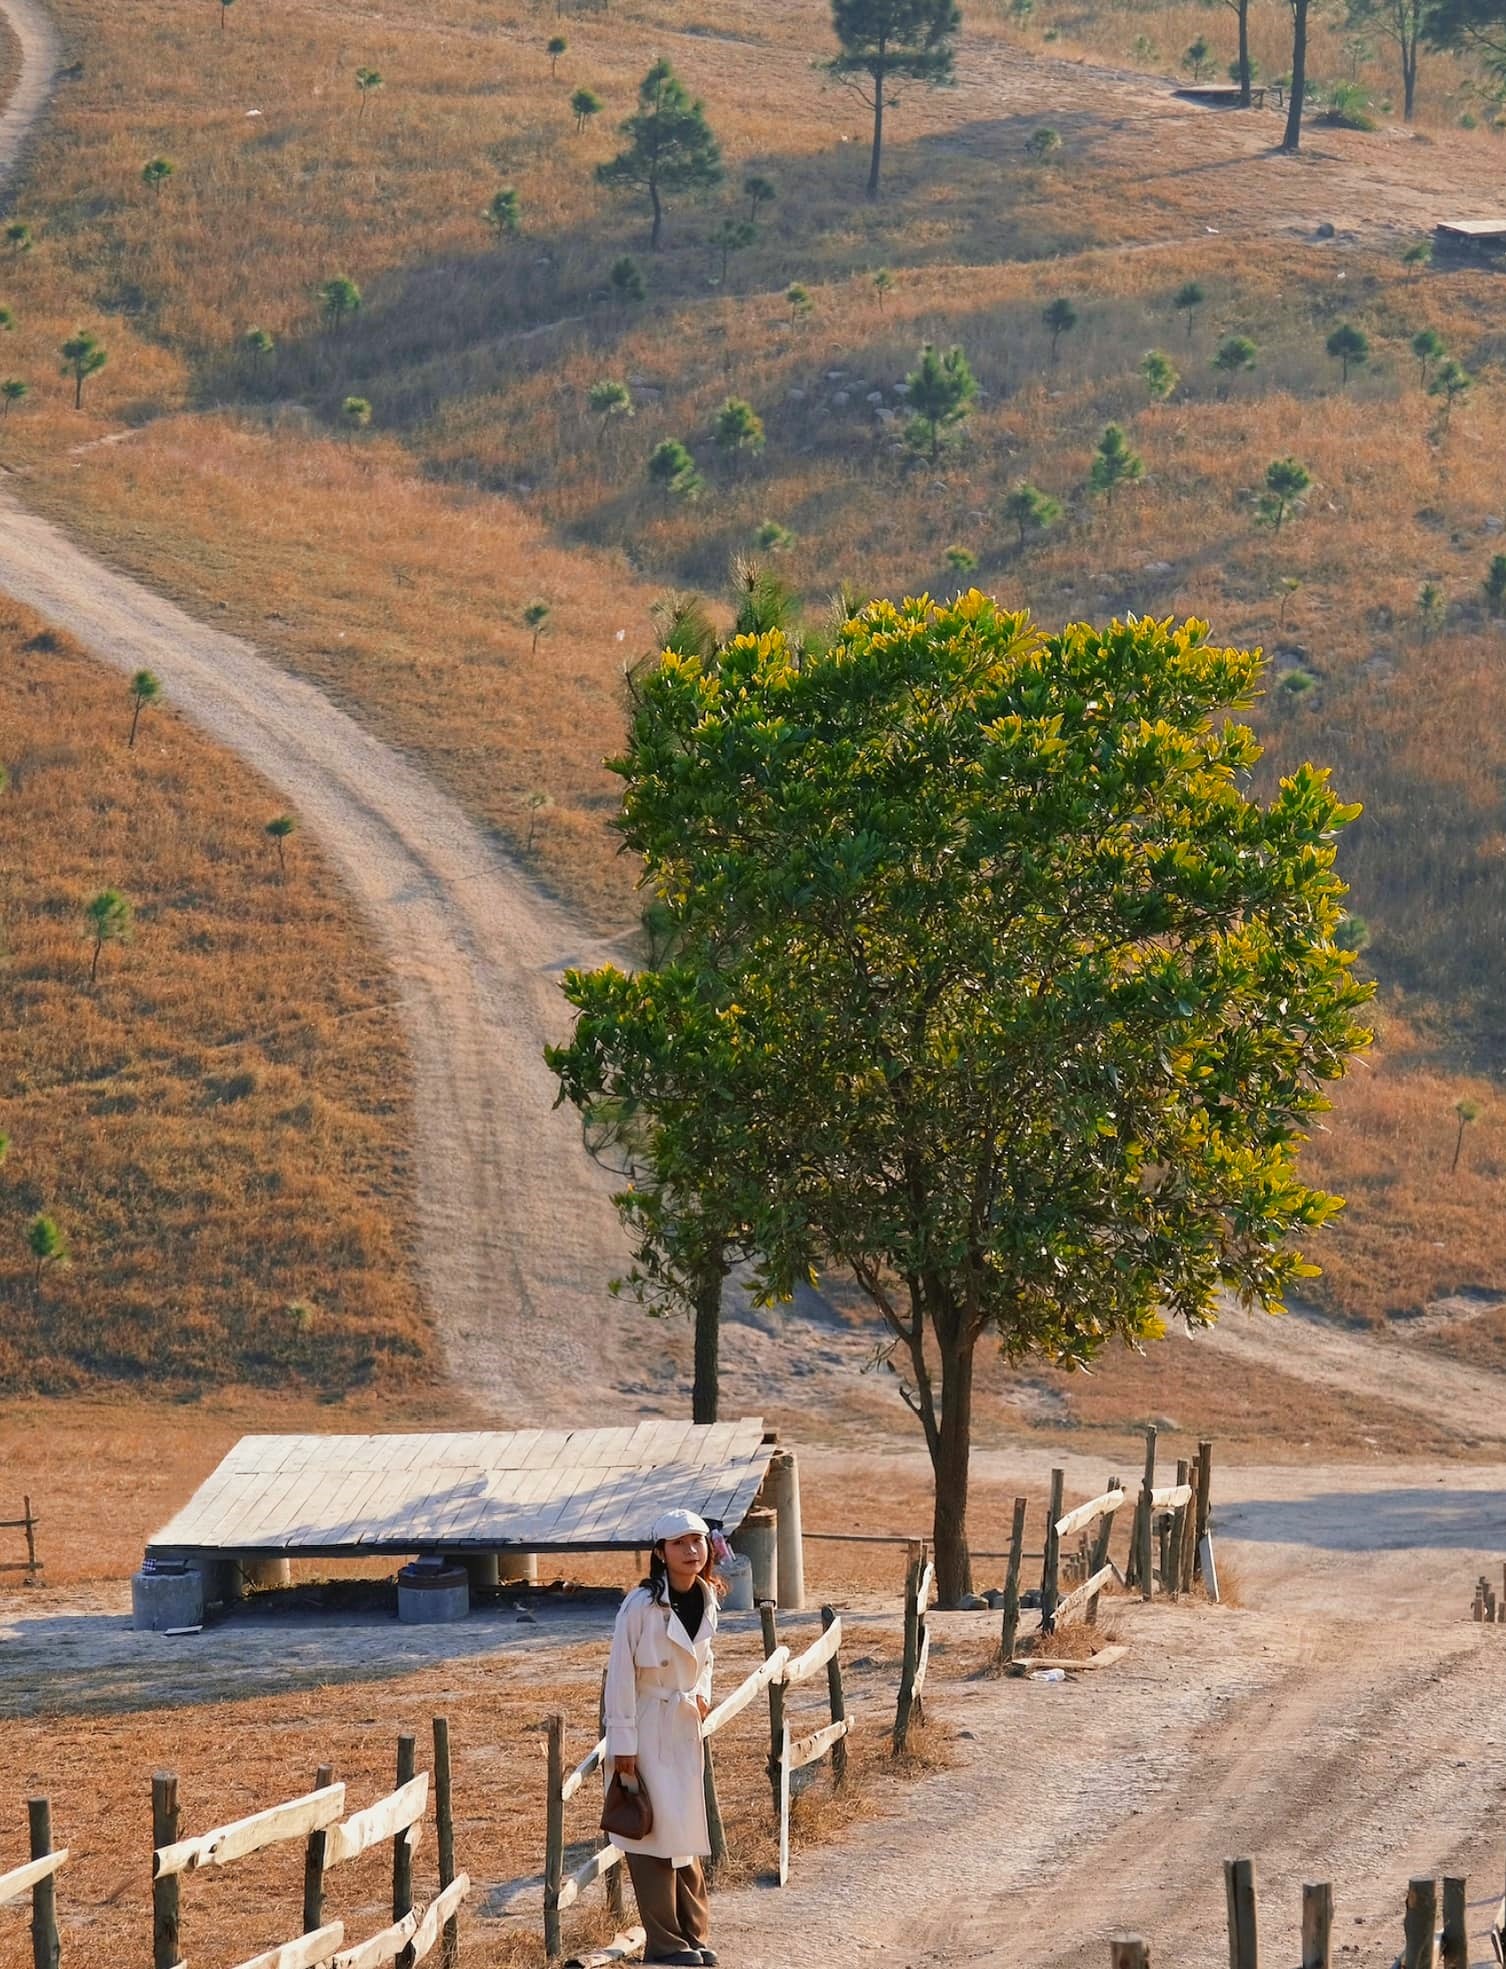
pixel 1170 1545
pixel 1434 1926
pixel 31 1565
pixel 920 1576
pixel 38 1878
pixel 331 1838
pixel 776 1674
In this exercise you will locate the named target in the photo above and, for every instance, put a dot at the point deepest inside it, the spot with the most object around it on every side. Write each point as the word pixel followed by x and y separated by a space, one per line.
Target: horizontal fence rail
pixel 330 1839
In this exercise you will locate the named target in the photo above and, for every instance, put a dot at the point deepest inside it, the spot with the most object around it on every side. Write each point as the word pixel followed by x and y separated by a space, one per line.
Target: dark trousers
pixel 673 1902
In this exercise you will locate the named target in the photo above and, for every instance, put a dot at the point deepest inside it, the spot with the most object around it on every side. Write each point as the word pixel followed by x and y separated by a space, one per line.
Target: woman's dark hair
pixel 657 1581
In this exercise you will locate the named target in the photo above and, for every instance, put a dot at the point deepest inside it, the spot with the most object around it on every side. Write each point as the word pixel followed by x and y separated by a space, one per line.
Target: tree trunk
pixel 78 389
pixel 954 1567
pixel 706 1392
pixel 878 125
pixel 1244 54
pixel 99 944
pixel 1408 79
pixel 1292 141
pixel 135 721
pixel 653 238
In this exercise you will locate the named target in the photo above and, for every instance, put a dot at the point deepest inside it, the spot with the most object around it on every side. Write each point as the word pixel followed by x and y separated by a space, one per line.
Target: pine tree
pixel 884 41
pixel 939 390
pixel 1115 463
pixel 670 146
pixel 1030 509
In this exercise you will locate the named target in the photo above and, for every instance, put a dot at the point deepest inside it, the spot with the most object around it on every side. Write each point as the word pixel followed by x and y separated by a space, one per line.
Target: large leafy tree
pixel 670 146
pixel 885 41
pixel 1023 997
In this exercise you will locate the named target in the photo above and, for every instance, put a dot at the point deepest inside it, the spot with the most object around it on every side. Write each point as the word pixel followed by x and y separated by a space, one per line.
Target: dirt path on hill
pixel 517 1234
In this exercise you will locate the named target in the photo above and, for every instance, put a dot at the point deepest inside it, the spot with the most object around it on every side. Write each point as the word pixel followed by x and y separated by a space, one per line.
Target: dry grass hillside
pixel 217 1123
pixel 394 565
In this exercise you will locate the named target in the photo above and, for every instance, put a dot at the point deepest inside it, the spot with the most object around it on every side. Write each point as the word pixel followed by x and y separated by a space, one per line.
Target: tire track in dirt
pixel 517 1237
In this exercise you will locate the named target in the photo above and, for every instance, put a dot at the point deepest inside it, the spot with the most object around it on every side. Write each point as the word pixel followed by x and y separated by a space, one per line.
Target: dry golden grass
pixel 403 596
pixel 220 1124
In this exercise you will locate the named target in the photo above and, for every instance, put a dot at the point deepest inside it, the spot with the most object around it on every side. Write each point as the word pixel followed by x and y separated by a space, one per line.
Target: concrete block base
pixel 161 1600
pixel 428 1596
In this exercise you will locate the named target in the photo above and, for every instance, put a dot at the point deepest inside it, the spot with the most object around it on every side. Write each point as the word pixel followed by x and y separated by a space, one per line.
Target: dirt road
pixel 517 1236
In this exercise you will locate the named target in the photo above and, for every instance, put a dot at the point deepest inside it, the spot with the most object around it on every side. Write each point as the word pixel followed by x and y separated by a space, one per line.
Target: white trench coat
pixel 654 1674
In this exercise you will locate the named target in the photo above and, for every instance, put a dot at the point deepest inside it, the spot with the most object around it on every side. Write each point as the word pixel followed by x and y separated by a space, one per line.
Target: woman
pixel 658 1691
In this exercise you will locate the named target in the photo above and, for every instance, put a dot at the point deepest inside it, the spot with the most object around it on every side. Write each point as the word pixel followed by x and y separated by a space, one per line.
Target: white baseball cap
pixel 675 1524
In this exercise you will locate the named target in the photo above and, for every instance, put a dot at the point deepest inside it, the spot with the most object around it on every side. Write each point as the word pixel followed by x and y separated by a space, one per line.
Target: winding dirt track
pixel 517 1236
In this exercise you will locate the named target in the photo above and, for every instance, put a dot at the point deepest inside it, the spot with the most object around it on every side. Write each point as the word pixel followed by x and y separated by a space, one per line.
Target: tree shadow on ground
pixel 1373 1521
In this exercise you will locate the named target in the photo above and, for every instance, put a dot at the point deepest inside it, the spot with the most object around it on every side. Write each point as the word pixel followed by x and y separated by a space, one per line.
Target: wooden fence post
pixel 1009 1627
pixel 716 1830
pixel 1204 1501
pixel 1128 1952
pixel 837 1700
pixel 1418 1924
pixel 614 1878
pixel 1147 1517
pixel 313 1863
pixel 1189 1537
pixel 1317 1925
pixel 444 1830
pixel 1239 1891
pixel 1098 1558
pixel 402 1845
pixel 776 1707
pixel 1051 1573
pixel 166 1821
pixel 913 1570
pixel 554 1838
pixel 1455 1923
pixel 45 1945
pixel 32 1568
pixel 1178 1537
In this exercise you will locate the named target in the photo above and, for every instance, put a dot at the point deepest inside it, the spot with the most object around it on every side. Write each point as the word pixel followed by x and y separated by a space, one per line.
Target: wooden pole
pixel 716 1830
pixel 1317 1925
pixel 1147 1514
pixel 1189 1537
pixel 166 1823
pixel 1128 1952
pixel 444 1828
pixel 45 1945
pixel 912 1648
pixel 31 1541
pixel 1009 1626
pixel 838 1701
pixel 313 1863
pixel 1204 1499
pixel 1418 1924
pixel 614 1878
pixel 776 1707
pixel 554 1838
pixel 1051 1575
pixel 1455 1923
pixel 402 1849
pixel 1239 1891
pixel 1178 1536
pixel 1098 1557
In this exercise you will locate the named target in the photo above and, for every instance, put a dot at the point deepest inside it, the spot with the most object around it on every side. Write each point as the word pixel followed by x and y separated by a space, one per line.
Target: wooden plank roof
pixel 537 1490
